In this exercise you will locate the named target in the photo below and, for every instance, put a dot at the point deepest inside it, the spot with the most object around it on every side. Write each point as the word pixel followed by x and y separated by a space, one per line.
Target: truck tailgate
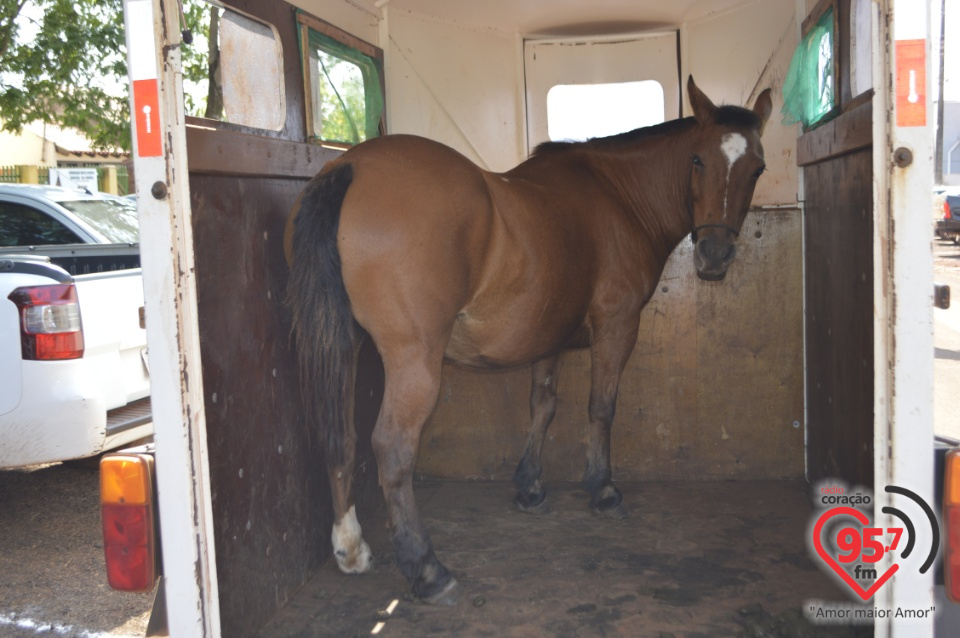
pixel 115 344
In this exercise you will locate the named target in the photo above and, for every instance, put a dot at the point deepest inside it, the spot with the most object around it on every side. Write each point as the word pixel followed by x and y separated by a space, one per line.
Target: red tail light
pixel 50 326
pixel 951 518
pixel 946 210
pixel 129 534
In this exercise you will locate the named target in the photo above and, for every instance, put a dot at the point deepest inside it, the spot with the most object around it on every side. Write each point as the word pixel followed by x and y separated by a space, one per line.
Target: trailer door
pixel 868 269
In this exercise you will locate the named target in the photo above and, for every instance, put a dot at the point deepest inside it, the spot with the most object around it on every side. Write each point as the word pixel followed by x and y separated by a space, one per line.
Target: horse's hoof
pixel 446 597
pixel 535 503
pixel 357 561
pixel 608 501
pixel 617 512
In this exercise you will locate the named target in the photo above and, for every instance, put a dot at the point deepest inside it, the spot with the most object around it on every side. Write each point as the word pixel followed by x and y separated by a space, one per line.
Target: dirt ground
pixel 693 559
pixel 52 576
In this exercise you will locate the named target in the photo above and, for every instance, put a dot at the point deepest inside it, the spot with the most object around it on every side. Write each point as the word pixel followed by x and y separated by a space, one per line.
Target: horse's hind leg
pixel 412 385
pixel 607 362
pixel 351 551
pixel 531 495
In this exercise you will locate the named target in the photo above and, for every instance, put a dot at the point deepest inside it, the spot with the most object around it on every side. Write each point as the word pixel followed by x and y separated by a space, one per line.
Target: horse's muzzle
pixel 712 257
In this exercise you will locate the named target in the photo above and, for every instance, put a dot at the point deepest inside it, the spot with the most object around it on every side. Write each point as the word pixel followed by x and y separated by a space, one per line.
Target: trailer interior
pixel 738 397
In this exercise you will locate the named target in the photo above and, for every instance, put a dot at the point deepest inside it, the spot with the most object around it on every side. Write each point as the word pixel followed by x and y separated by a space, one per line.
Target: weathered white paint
pixel 903 322
pixel 351 551
pixel 183 469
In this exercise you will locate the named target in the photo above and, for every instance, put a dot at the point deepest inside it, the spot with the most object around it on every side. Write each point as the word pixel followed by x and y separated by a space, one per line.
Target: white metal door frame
pixel 170 299
pixel 903 297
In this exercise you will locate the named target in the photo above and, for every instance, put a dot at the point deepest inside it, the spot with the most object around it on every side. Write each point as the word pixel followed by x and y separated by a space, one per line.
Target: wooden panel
pixel 839 324
pixel 712 389
pixel 232 153
pixel 750 357
pixel 271 500
pixel 850 132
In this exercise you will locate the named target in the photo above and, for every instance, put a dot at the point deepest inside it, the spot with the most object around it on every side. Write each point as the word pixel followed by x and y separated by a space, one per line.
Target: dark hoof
pixel 446 597
pixel 618 512
pixel 608 501
pixel 532 502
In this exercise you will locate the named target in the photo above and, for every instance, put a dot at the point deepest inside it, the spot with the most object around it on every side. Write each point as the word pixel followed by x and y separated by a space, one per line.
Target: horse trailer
pixel 774 433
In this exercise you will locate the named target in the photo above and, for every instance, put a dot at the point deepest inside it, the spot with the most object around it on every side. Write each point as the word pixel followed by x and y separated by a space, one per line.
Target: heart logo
pixel 865 594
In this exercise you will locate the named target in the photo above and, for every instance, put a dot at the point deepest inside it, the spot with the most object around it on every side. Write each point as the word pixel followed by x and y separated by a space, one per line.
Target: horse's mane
pixel 727 115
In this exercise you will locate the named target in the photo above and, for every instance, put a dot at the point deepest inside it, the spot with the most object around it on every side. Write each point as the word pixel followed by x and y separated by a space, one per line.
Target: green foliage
pixel 63 62
pixel 342 104
pixel 200 61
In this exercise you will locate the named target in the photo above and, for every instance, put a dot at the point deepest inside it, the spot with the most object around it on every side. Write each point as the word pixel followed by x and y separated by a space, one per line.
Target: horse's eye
pixel 697 161
pixel 759 172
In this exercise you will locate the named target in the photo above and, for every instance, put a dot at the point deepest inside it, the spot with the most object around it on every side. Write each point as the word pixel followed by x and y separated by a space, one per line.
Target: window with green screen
pixel 809 90
pixel 343 84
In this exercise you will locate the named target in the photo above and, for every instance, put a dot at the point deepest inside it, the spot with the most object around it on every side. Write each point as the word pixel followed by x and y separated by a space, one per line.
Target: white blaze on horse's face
pixel 733 146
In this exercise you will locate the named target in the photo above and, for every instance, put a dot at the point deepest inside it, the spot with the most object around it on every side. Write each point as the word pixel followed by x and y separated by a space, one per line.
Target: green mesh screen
pixel 347 100
pixel 808 91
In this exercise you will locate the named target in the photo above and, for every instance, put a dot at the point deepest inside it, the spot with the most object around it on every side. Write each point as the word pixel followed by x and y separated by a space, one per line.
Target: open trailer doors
pixel 236 468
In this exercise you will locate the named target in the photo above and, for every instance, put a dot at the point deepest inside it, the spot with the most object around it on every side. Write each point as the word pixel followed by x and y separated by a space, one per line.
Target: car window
pixel 26 226
pixel 114 218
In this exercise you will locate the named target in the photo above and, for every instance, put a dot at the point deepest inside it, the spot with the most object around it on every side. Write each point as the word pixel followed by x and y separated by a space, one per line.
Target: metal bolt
pixel 159 190
pixel 903 157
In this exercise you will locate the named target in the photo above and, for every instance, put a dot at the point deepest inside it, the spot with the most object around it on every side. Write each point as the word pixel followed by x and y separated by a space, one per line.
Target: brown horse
pixel 406 240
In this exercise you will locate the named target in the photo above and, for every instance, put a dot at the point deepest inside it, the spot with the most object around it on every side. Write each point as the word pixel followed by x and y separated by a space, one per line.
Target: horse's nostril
pixel 716 251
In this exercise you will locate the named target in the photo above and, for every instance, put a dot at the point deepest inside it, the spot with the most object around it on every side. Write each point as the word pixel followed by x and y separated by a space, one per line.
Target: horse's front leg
pixel 531 495
pixel 411 387
pixel 607 359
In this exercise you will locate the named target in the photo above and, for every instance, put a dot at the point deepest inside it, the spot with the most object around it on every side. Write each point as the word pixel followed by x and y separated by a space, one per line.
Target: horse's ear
pixel 763 107
pixel 703 108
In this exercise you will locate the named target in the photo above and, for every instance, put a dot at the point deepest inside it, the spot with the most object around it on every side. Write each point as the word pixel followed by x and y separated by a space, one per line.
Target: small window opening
pixel 583 111
pixel 344 86
pixel 809 91
pixel 232 67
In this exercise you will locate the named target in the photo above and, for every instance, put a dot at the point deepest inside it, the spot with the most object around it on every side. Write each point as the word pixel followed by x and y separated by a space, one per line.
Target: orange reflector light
pixel 126 507
pixel 951 517
pixel 124 480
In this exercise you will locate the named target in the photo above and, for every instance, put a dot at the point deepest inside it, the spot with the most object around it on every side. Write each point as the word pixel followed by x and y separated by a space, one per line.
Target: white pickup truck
pixel 74 378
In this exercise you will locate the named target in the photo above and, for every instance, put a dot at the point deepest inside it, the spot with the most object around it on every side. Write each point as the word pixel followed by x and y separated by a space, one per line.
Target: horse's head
pixel 725 163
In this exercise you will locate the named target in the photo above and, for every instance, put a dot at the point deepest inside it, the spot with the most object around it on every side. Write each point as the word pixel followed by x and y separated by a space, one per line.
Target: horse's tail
pixel 322 323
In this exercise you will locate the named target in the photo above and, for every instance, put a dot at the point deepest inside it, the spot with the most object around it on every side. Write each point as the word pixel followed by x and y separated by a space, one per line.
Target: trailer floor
pixel 692 559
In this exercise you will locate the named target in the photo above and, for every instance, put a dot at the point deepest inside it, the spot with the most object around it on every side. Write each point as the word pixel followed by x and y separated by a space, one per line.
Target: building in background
pixel 47 154
pixel 47 145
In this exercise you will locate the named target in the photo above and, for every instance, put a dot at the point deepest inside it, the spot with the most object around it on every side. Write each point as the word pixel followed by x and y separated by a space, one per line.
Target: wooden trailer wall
pixel 271 499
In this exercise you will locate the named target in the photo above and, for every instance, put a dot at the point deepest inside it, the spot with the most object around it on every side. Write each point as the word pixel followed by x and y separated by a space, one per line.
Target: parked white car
pixel 74 378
